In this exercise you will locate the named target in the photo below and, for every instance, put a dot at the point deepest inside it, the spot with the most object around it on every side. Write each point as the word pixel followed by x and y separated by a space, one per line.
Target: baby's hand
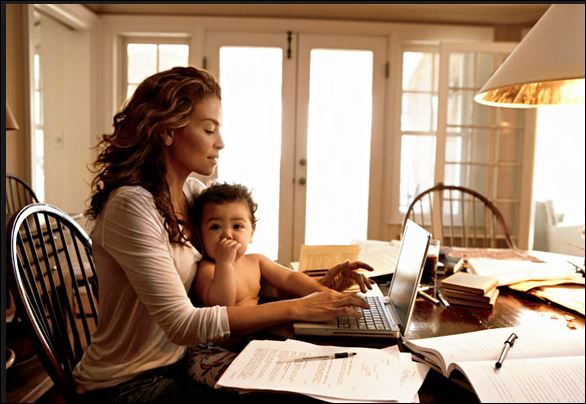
pixel 227 250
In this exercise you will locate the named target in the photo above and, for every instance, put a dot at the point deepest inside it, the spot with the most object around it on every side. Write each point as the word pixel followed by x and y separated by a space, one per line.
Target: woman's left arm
pixel 339 277
pixel 287 280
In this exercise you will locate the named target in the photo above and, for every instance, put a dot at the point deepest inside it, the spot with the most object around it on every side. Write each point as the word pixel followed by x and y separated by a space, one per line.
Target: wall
pixel 17 156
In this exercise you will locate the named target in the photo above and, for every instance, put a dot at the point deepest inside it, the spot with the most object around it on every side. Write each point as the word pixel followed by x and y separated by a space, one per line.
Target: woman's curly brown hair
pixel 133 153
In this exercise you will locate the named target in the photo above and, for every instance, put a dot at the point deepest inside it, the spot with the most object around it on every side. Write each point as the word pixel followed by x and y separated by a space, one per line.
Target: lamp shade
pixel 10 121
pixel 546 68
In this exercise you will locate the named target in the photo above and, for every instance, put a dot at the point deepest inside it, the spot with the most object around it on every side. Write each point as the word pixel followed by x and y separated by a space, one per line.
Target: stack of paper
pixel 372 375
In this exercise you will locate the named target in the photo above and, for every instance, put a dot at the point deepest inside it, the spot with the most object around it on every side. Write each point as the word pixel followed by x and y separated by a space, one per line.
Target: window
pixel 144 58
pixel 447 137
pixel 418 122
pixel 559 149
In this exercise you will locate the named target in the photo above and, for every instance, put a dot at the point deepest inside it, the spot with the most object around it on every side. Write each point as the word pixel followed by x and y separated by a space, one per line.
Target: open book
pixel 543 365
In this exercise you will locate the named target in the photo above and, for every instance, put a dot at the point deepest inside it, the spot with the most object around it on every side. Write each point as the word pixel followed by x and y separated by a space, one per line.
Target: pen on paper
pixel 337 355
pixel 428 297
pixel 443 300
pixel 508 344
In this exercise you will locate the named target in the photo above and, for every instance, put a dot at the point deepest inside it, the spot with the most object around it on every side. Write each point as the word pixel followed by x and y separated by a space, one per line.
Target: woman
pixel 145 263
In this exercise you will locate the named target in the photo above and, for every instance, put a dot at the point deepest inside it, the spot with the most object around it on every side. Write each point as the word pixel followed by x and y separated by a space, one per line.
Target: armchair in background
pixel 551 234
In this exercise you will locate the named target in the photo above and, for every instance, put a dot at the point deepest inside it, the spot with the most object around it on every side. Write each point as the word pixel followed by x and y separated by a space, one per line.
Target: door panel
pixel 340 86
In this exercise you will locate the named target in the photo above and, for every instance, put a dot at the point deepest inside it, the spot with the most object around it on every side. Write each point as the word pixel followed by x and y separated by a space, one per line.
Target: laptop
pixel 396 308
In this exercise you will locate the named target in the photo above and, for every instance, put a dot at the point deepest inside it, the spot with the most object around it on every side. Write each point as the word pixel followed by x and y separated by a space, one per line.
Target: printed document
pixel 366 376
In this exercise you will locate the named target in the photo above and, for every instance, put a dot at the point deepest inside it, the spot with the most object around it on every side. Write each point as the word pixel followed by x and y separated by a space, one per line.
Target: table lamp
pixel 546 68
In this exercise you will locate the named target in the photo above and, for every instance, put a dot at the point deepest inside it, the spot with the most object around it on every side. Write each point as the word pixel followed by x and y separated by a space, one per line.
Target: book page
pixel 546 380
pixel 366 376
pixel 487 344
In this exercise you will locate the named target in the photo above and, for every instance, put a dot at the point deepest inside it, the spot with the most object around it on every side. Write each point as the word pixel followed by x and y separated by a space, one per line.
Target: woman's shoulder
pixel 130 198
pixel 130 193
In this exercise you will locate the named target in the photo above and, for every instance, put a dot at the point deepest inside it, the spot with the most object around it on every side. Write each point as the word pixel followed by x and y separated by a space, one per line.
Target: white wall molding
pixel 75 16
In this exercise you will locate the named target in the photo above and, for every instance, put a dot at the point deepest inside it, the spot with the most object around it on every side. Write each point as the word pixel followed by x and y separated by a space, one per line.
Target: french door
pixel 303 127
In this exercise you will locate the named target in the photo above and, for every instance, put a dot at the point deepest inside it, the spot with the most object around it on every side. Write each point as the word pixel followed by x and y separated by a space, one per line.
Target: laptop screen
pixel 403 289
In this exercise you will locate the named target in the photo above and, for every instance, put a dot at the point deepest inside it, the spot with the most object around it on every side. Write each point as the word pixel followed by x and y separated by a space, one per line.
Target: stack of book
pixel 472 290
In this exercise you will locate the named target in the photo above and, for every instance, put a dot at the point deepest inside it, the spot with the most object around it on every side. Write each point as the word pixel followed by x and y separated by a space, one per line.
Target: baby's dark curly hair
pixel 218 194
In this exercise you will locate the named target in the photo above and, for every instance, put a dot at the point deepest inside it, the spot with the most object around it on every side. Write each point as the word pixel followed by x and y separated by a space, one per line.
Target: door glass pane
pixel 417 165
pixel 251 81
pixel 142 61
pixel 338 145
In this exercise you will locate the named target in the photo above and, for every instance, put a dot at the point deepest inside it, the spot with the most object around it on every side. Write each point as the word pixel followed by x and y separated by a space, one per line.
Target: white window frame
pixel 179 39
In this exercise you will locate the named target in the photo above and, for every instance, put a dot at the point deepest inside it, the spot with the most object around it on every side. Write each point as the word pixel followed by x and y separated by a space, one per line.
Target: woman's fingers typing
pixel 344 275
pixel 328 304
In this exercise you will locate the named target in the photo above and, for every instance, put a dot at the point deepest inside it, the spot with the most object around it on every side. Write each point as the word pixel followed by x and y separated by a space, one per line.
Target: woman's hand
pixel 326 306
pixel 344 275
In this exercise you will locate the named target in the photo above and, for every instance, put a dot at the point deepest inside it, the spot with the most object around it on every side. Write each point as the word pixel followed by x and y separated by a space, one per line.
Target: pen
pixel 508 344
pixel 428 297
pixel 442 299
pixel 337 355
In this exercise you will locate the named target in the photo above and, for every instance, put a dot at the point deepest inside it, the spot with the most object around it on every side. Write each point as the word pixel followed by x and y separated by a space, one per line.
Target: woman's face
pixel 196 147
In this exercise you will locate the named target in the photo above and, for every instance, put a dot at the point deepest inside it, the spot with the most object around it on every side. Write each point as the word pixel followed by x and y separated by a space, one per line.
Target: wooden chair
pixel 18 195
pixel 59 311
pixel 460 217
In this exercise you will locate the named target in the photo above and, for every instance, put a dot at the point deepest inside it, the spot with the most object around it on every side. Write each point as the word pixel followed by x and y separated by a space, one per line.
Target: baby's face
pixel 227 220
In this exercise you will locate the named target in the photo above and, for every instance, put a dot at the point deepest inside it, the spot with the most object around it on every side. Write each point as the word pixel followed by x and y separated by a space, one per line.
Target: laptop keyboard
pixel 372 318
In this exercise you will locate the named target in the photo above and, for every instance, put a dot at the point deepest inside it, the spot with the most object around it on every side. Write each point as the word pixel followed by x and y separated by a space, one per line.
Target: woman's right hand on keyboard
pixel 326 306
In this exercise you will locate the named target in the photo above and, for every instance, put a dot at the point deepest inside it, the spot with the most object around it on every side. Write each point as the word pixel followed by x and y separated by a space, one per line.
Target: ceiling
pixel 469 14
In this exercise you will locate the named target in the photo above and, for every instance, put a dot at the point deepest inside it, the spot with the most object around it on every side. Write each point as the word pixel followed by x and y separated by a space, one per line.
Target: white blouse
pixel 145 316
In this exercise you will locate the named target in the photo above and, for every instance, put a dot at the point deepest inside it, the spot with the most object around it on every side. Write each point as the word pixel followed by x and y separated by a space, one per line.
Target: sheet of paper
pixel 412 377
pixel 570 296
pixel 528 285
pixel 366 376
pixel 381 255
pixel 514 271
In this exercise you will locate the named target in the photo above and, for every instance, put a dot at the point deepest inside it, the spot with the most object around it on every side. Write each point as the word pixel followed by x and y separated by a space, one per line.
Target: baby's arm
pixel 216 283
pixel 284 279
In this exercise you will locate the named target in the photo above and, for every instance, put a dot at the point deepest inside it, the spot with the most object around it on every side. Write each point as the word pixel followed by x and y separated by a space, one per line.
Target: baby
pixel 224 222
